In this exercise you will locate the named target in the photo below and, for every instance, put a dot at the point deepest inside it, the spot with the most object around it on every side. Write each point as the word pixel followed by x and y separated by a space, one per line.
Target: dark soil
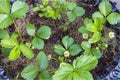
pixel 14 68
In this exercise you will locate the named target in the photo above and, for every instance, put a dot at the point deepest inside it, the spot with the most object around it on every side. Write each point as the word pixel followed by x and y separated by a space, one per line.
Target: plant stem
pixel 16 28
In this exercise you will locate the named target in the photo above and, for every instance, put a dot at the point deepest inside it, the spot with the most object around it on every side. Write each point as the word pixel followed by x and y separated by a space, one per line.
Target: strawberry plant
pixel 89 50
pixel 55 9
pixel 18 10
pixel 68 48
pixel 16 49
pixel 43 32
pixel 100 18
pixel 105 13
pixel 74 11
pixel 31 71
pixel 79 70
pixel 93 28
pixel 9 13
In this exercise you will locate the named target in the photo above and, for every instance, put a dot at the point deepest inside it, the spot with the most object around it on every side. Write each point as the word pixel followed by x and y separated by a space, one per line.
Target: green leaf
pixel 5 6
pixel 98 15
pixel 45 2
pixel 87 21
pixel 3 34
pixel 67 41
pixel 15 35
pixel 96 53
pixel 71 5
pixel 83 30
pixel 45 75
pixel 98 24
pixel 82 75
pixel 92 27
pixel 5 20
pixel 71 16
pixel 79 11
pixel 30 29
pixel 85 62
pixel 27 52
pixel 54 14
pixel 9 42
pixel 14 54
pixel 113 18
pixel 19 9
pixel 55 4
pixel 74 49
pixel 67 72
pixel 6 51
pixel 59 49
pixel 42 60
pixel 96 37
pixel 38 43
pixel 86 45
pixel 105 7
pixel 44 32
pixel 64 73
pixel 30 72
pixel 36 8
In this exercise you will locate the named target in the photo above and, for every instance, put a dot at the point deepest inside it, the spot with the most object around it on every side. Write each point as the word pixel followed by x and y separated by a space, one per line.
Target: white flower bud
pixel 28 44
pixel 111 34
pixel 33 47
pixel 106 45
pixel 85 36
pixel 66 54
pixel 97 48
pixel 49 57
